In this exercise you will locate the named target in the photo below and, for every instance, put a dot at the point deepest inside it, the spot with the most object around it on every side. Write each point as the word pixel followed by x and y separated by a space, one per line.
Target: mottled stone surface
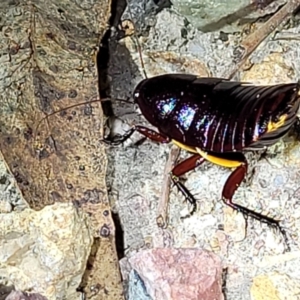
pixel 179 273
pixel 54 153
pixel 45 251
pixel 136 288
pixel 17 295
pixel 136 173
pixel 275 286
pixel 210 15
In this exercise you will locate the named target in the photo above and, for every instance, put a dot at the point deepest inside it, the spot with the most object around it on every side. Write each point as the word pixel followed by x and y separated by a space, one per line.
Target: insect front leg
pixel 185 166
pixel 147 132
pixel 232 184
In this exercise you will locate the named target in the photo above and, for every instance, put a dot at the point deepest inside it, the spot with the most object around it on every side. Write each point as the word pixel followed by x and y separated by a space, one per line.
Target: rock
pixel 59 158
pixel 234 224
pixel 166 62
pixel 136 288
pixel 179 273
pixel 45 252
pixel 274 286
pixel 263 288
pixel 5 290
pixel 17 295
pixel 211 15
pixel 271 70
pixel 220 243
pixel 9 197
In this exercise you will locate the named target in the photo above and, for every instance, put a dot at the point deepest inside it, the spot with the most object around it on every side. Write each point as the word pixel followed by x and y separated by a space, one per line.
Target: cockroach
pixel 216 120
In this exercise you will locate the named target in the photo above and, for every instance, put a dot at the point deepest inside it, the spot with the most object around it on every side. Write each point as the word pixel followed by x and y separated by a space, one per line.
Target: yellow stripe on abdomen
pixel 213 159
pixel 219 161
pixel 184 147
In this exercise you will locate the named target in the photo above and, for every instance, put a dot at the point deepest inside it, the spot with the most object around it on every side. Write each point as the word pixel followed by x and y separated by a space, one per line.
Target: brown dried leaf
pixel 47 50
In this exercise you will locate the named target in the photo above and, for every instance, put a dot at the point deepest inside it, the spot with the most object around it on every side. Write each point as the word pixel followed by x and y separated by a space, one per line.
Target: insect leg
pixel 147 132
pixel 185 166
pixel 152 135
pixel 232 184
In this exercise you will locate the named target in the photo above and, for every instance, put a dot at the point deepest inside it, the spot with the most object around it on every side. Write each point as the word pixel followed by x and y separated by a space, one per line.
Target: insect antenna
pixel 76 105
pixel 134 33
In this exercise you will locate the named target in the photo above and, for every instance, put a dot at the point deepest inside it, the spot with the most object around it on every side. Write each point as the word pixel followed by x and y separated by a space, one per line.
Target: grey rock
pixel 212 15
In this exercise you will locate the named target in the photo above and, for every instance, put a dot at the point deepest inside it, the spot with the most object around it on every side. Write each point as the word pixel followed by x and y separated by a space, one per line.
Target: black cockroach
pixel 216 120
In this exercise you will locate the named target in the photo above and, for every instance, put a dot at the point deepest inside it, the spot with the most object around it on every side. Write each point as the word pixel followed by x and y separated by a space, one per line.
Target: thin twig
pixel 287 36
pixel 162 219
pixel 254 40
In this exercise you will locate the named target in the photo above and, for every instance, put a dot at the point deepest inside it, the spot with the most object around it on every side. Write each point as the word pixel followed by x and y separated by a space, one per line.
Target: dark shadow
pixel 117 77
pixel 104 86
pixel 224 280
pixel 89 266
pixel 103 56
pixel 5 291
pixel 119 236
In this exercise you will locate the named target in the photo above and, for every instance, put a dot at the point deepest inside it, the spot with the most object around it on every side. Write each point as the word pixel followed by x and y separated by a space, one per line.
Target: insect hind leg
pixel 231 185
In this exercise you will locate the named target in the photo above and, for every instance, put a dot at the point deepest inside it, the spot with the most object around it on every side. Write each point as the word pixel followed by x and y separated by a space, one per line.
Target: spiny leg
pixel 147 132
pixel 232 184
pixel 185 166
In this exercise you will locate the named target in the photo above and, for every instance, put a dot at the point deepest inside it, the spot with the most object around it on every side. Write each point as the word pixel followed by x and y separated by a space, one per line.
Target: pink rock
pixel 179 273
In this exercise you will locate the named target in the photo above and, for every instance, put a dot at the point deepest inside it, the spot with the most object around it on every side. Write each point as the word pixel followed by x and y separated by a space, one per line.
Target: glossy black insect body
pixel 217 115
pixel 216 120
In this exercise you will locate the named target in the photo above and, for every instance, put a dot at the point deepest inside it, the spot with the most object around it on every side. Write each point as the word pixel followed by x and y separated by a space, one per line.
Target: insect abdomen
pixel 248 117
